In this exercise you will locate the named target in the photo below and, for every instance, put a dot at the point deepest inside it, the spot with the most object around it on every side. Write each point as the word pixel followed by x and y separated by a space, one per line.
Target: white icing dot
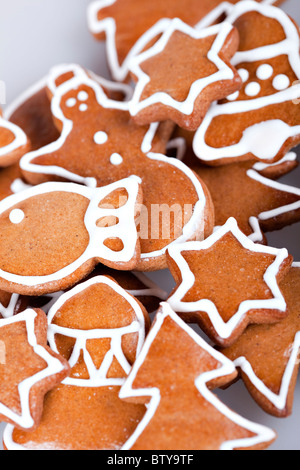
pixel 71 102
pixel 83 96
pixel 264 72
pixel 100 138
pixel 16 216
pixel 244 74
pixel 83 107
pixel 252 89
pixel 116 159
pixel 281 82
pixel 234 96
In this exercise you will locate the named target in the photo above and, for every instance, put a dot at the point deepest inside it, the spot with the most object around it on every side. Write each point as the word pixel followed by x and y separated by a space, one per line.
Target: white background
pixel 37 34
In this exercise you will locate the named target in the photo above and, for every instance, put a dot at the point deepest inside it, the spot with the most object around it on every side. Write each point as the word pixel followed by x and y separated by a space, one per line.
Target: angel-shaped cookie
pixel 265 112
pixel 174 376
pixel 100 329
pixel 52 235
pixel 100 144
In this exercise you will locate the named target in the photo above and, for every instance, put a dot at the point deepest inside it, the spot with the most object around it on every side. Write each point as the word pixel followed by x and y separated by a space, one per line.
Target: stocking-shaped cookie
pixel 13 142
pixel 129 25
pixel 100 329
pixel 268 356
pixel 100 144
pixel 174 375
pixel 227 282
pixel 266 111
pixel 53 235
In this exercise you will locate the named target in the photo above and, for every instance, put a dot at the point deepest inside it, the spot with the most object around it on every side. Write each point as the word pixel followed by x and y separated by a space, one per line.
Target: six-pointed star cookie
pixel 249 192
pixel 265 112
pixel 127 34
pixel 183 73
pixel 268 355
pixel 129 25
pixel 100 143
pixel 28 368
pixel 13 142
pixel 227 282
pixel 173 375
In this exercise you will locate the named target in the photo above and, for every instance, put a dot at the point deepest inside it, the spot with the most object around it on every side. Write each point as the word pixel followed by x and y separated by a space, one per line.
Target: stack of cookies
pixel 172 165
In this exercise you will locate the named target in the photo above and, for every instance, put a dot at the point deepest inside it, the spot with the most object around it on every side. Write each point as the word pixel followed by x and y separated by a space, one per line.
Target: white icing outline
pixel 20 139
pixel 151 290
pixel 38 86
pixel 196 221
pixel 97 377
pixel 224 72
pixel 278 400
pixel 263 434
pixel 54 366
pixel 290 47
pixel 125 230
pixel 225 329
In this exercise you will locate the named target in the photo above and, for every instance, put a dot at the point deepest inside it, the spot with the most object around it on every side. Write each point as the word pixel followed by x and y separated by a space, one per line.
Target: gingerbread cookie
pixel 264 111
pixel 100 329
pixel 270 369
pixel 32 110
pixel 129 25
pixel 183 73
pixel 100 143
pixel 46 247
pixel 247 191
pixel 28 368
pixel 174 376
pixel 227 282
pixel 13 142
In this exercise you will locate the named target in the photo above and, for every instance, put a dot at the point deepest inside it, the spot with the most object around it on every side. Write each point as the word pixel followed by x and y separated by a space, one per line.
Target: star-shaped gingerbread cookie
pixel 28 368
pixel 13 142
pixel 129 25
pixel 268 355
pixel 100 144
pixel 265 112
pixel 183 73
pixel 227 282
pixel 174 376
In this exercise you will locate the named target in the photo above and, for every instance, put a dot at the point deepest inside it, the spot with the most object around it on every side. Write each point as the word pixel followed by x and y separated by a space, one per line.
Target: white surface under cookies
pixel 37 34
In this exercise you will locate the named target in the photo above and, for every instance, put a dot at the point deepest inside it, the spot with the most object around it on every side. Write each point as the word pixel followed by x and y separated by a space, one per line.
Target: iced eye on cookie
pixel 16 216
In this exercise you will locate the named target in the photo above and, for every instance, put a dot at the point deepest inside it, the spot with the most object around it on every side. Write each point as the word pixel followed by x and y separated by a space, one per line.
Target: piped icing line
pixel 267 215
pixel 262 434
pixel 19 140
pixel 196 221
pixel 225 329
pixel 54 367
pixel 8 311
pixel 125 229
pixel 275 131
pixel 97 377
pixel 289 157
pixel 108 25
pixel 224 72
pixel 278 400
pixel 179 144
pixel 151 290
pixel 38 86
